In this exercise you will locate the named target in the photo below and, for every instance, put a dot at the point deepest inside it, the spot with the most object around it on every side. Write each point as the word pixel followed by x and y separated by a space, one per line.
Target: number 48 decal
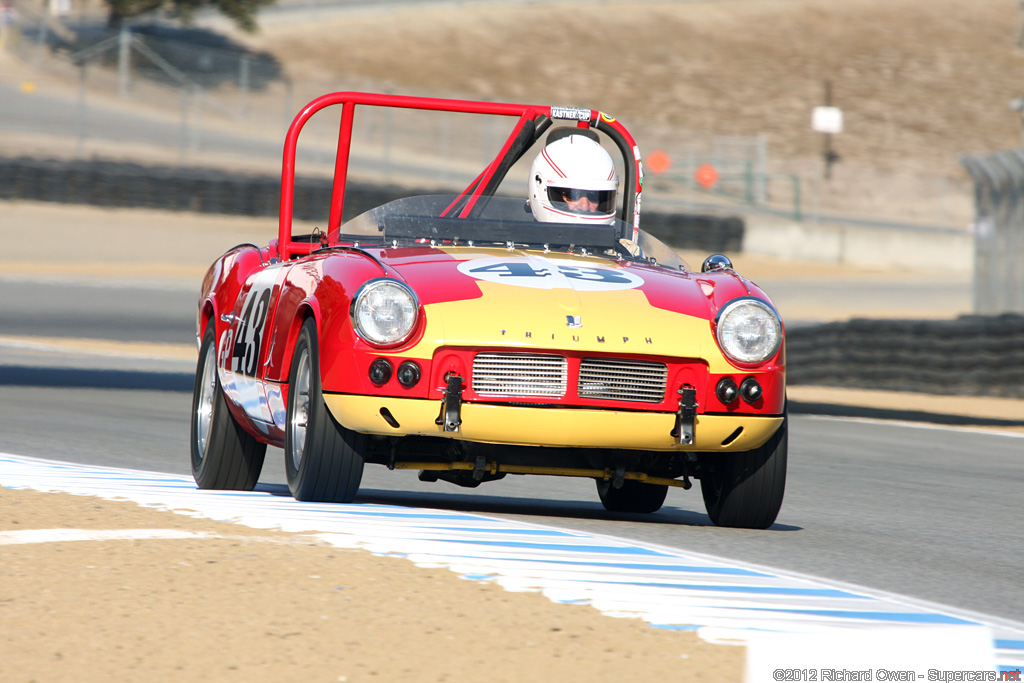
pixel 544 273
pixel 252 323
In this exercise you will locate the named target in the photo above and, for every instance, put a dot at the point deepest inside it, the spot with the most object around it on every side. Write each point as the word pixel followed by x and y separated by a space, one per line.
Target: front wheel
pixel 323 459
pixel 224 455
pixel 632 496
pixel 745 490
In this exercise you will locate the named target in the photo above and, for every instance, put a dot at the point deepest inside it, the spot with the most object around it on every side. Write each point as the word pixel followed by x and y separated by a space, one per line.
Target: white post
pixel 197 110
pixel 243 84
pixel 80 144
pixel 124 48
pixel 183 130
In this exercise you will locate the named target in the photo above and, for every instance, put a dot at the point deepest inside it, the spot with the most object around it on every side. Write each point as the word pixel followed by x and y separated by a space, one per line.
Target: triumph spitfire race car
pixel 458 336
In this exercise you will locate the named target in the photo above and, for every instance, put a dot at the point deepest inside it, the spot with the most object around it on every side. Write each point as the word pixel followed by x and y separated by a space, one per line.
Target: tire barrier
pixel 204 190
pixel 970 356
pixel 128 185
pixel 701 232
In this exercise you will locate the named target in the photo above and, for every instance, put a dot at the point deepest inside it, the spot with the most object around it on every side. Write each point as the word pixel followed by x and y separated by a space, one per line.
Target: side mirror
pixel 716 262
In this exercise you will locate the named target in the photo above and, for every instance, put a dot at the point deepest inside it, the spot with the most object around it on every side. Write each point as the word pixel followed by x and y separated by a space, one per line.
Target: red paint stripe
pixel 580 217
pixel 552 163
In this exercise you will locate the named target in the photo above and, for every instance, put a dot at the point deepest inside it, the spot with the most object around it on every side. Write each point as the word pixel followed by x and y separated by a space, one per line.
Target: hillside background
pixel 919 82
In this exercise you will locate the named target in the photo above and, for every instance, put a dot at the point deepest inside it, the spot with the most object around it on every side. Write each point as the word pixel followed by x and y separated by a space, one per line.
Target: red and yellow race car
pixel 473 336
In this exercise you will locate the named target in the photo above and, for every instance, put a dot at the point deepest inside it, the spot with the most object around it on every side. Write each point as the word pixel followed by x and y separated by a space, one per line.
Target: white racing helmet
pixel 573 180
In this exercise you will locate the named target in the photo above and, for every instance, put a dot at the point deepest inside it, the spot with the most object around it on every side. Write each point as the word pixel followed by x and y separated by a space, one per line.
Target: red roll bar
pixel 349 100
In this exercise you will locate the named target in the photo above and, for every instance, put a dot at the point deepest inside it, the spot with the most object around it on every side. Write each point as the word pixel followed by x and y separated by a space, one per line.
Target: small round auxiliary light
pixel 750 390
pixel 727 391
pixel 408 374
pixel 380 371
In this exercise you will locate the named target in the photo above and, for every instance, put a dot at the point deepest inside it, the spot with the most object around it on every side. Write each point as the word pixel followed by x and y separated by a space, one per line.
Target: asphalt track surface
pixel 933 514
pixel 926 512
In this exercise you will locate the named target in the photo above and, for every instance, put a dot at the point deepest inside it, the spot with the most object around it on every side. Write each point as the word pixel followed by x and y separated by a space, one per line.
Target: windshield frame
pixel 504 222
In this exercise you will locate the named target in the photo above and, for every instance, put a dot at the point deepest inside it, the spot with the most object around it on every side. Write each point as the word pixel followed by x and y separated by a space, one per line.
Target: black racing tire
pixel 634 496
pixel 323 460
pixel 224 455
pixel 745 490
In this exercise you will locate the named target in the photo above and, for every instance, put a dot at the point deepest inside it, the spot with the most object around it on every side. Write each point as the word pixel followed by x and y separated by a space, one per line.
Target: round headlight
pixel 384 312
pixel 749 330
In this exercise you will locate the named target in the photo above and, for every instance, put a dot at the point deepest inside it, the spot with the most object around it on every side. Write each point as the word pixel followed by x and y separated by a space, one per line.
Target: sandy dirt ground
pixel 228 603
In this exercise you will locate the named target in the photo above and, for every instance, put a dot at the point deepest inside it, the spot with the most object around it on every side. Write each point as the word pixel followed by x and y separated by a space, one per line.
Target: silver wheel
pixel 204 403
pixel 223 454
pixel 323 461
pixel 300 414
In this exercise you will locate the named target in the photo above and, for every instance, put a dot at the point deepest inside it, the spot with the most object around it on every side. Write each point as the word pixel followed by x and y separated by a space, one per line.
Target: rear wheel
pixel 224 455
pixel 745 489
pixel 632 497
pixel 323 459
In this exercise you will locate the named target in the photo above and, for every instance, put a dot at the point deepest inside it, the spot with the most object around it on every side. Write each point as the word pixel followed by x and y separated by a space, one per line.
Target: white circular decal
pixel 547 273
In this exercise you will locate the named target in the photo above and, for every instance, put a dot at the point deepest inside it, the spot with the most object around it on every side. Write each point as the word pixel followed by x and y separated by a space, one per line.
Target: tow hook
pixel 451 404
pixel 686 415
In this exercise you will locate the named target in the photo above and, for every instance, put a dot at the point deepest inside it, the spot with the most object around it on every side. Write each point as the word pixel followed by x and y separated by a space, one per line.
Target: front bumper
pixel 557 427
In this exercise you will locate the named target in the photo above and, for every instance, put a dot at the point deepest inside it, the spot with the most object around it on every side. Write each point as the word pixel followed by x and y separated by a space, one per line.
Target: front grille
pixel 519 374
pixel 622 380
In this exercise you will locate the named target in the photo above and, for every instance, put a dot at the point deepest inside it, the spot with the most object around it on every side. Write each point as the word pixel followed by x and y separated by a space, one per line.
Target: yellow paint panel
pixel 521 425
pixel 615 321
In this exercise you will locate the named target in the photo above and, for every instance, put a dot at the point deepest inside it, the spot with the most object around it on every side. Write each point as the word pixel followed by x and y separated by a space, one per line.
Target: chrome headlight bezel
pixel 761 320
pixel 369 317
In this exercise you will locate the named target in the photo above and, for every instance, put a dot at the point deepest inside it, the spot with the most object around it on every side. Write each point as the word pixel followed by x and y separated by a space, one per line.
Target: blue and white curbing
pixel 788 621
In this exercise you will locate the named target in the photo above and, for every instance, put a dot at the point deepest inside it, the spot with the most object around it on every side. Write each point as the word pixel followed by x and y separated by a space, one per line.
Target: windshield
pixel 497 220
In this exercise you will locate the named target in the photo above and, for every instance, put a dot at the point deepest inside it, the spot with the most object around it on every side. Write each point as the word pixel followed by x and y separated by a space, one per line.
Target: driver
pixel 573 180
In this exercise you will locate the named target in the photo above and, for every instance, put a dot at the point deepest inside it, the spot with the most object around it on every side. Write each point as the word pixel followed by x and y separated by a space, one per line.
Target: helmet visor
pixel 576 200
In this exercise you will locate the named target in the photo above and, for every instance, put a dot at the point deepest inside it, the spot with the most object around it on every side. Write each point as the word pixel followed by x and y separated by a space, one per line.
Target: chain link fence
pixel 211 85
